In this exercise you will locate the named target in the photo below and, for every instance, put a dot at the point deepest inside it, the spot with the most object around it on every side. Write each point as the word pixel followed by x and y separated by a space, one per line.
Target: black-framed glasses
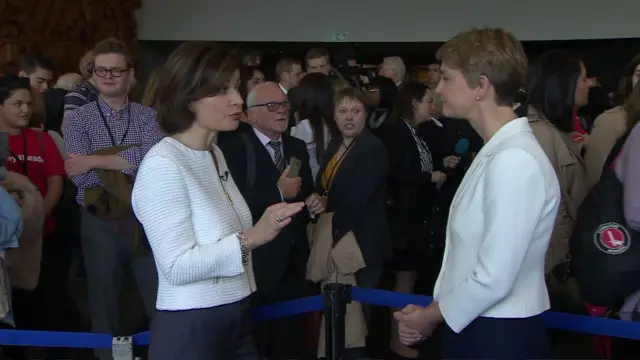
pixel 274 105
pixel 115 72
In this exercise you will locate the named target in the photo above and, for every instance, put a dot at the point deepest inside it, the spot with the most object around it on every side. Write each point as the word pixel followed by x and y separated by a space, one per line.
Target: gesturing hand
pixel 274 219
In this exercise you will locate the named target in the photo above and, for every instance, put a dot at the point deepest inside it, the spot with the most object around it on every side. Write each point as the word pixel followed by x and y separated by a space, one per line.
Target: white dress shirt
pixel 192 226
pixel 498 232
pixel 284 90
pixel 265 140
pixel 304 132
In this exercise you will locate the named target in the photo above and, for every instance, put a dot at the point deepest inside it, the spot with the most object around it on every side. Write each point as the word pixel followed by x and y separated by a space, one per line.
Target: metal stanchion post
pixel 122 348
pixel 336 297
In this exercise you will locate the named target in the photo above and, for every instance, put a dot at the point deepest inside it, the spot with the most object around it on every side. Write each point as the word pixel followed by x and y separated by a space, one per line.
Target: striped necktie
pixel 277 155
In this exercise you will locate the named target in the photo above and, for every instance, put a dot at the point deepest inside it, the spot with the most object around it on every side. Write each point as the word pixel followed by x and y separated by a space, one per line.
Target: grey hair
pixel 396 63
pixel 253 94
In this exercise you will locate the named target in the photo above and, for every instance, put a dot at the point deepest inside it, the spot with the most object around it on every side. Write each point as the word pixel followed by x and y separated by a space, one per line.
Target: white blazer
pixel 498 232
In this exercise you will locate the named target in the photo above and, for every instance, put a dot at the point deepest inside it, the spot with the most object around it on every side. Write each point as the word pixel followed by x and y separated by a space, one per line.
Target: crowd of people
pixel 221 190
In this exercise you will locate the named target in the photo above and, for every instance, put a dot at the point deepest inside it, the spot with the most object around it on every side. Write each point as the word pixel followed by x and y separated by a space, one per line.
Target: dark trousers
pixel 498 339
pixel 217 333
pixel 107 254
pixel 283 338
pixel 49 306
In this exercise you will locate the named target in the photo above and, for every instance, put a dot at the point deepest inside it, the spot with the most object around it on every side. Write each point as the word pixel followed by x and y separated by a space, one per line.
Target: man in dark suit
pixel 258 161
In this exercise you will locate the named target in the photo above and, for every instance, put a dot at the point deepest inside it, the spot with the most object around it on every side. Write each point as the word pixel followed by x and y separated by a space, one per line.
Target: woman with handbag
pixel 353 178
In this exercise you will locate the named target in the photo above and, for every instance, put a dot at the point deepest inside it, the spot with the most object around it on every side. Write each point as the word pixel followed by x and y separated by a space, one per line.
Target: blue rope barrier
pixel 560 321
pixel 56 339
pixel 259 314
pixel 553 320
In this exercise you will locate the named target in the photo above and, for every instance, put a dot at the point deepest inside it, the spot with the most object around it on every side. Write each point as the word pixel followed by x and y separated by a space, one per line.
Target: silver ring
pixel 278 219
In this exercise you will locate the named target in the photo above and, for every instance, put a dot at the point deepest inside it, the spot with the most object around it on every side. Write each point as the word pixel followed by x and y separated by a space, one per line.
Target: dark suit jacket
pixel 358 195
pixel 413 198
pixel 271 260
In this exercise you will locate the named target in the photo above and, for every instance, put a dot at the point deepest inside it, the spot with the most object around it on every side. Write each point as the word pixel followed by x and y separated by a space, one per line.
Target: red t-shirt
pixel 43 160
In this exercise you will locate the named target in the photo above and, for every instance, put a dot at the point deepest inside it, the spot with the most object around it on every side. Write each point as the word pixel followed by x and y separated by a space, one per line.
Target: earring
pixel 478 98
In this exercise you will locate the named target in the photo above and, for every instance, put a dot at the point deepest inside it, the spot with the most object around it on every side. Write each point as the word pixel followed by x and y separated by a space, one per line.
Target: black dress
pixel 417 226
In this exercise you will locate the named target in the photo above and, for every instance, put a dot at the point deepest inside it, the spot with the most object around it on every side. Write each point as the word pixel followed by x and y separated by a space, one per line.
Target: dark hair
pixel 351 94
pixel 9 68
pixel 246 73
pixel 316 53
pixel 250 56
pixel 388 91
pixel 403 108
pixel 31 62
pixel 625 87
pixel 195 70
pixel 38 108
pixel 632 108
pixel 314 102
pixel 551 87
pixel 113 46
pixel 285 65
pixel 11 83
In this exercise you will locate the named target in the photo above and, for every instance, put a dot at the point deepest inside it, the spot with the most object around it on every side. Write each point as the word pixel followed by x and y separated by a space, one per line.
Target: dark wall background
pixel 606 59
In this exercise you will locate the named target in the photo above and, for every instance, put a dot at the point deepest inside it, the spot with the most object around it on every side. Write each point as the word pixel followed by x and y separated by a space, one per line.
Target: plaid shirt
pixel 84 133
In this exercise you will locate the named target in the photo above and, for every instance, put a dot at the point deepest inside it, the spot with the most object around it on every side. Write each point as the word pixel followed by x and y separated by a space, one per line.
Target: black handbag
pixel 605 252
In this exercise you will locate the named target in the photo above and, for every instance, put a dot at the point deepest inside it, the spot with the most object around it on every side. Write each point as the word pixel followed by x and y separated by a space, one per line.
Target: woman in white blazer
pixel 198 225
pixel 491 288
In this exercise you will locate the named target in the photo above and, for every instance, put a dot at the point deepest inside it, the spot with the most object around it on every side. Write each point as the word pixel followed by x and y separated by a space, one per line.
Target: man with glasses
pixel 111 136
pixel 262 164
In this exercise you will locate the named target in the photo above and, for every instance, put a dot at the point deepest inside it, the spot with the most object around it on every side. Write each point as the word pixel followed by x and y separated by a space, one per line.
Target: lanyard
pixel 336 165
pixel 24 161
pixel 106 125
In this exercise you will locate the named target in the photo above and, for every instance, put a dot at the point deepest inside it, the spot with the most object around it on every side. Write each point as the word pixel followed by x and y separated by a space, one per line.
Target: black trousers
pixel 49 307
pixel 282 338
pixel 497 339
pixel 217 333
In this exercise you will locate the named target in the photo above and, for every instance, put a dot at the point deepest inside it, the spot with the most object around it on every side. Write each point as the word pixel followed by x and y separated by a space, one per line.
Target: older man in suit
pixel 258 161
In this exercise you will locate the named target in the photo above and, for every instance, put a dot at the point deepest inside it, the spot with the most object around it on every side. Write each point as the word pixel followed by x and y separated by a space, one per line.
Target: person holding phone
pixel 270 167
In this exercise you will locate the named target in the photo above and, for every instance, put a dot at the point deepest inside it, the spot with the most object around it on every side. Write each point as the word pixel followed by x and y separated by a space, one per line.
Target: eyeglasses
pixel 275 106
pixel 115 72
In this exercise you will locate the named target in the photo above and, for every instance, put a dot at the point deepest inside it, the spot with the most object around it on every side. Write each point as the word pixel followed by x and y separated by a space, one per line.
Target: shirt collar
pixel 107 110
pixel 284 90
pixel 264 139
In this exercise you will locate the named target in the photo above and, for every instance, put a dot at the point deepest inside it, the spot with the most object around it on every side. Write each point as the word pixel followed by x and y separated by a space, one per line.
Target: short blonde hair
pixel 492 52
pixel 68 81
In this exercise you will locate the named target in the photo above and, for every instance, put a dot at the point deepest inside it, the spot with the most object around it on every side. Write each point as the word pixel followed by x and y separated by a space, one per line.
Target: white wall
pixel 383 20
